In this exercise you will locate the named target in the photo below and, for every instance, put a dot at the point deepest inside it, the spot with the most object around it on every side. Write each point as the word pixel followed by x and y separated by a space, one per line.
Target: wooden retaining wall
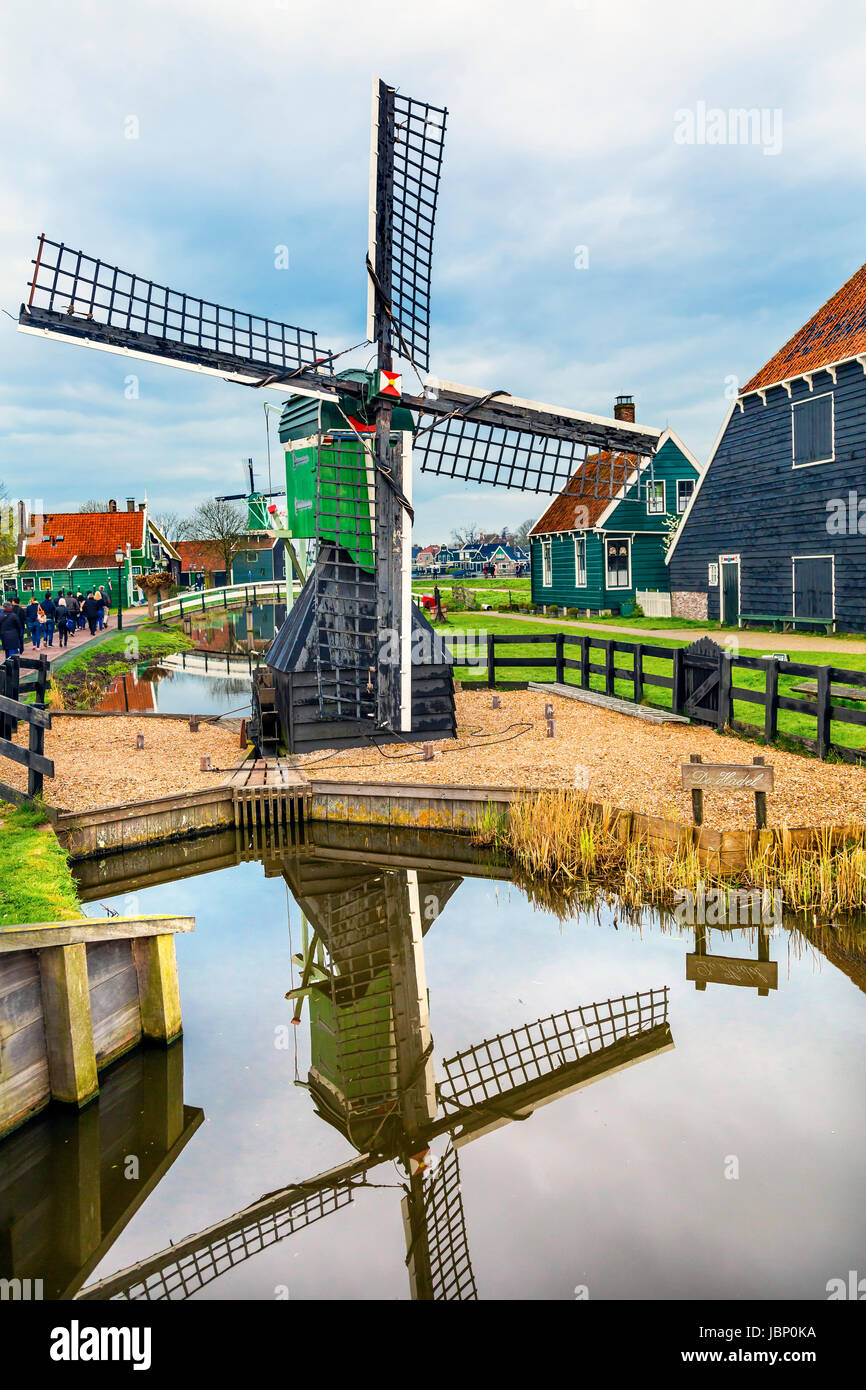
pixel 76 995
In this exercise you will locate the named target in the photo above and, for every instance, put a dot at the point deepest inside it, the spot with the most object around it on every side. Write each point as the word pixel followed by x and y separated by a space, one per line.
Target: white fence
pixel 654 605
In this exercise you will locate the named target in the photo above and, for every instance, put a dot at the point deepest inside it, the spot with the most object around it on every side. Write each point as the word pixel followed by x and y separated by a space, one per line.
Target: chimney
pixel 130 504
pixel 624 409
pixel 141 506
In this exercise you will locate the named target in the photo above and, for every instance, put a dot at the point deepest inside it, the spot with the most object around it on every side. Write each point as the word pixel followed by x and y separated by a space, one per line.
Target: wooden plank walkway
pixel 269 791
pixel 612 702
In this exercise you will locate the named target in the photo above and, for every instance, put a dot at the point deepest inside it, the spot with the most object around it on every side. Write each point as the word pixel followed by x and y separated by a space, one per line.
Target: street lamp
pixel 119 557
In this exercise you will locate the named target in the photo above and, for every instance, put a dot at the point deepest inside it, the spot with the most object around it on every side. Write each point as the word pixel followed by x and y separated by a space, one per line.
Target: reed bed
pixel 565 849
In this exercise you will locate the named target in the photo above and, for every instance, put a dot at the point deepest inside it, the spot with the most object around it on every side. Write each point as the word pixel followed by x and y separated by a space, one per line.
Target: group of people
pixel 45 617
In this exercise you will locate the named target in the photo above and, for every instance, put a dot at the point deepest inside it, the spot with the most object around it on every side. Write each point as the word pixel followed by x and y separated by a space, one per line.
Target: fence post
pixel 608 667
pixel 678 674
pixel 823 711
pixel 560 658
pixel 771 702
pixel 584 662
pixel 726 700
pixel 491 660
pixel 638 673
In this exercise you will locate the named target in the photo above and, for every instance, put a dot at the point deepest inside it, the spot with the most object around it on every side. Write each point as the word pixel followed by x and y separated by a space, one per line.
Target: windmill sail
pixel 408 141
pixel 78 297
pixel 437 1246
pixel 497 440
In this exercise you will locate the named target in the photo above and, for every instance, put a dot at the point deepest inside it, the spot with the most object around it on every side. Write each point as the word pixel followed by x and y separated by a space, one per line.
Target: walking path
pixel 58 656
pixel 757 641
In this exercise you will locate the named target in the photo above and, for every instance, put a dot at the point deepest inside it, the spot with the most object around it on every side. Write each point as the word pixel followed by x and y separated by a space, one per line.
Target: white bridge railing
pixel 230 595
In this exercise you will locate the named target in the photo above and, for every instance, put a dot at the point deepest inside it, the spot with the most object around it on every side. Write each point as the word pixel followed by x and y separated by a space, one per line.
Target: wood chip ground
pixel 623 760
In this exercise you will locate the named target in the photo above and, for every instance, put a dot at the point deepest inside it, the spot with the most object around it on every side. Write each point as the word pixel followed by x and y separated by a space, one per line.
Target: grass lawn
pixel 84 678
pixel 790 722
pixel 36 884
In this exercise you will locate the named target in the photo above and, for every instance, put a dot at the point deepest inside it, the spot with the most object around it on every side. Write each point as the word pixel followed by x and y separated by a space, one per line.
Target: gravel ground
pixel 97 763
pixel 621 759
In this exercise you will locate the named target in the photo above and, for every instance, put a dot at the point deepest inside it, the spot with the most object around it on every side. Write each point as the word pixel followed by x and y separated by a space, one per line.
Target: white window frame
pixel 28 584
pixel 547 564
pixel 815 463
pixel 682 509
pixel 794 559
pixel 651 508
pixel 616 540
pixel 580 562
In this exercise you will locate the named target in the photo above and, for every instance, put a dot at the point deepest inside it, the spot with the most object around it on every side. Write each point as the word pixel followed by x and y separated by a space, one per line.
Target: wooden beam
pixel 68 1024
pixel 41 935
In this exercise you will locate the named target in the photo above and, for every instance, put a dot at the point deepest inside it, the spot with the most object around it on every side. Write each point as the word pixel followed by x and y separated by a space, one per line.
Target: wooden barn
pixel 777 525
pixel 597 553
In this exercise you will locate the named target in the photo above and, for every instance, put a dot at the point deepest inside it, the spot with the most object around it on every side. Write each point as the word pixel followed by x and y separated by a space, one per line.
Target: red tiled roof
pixel 196 555
pixel 836 332
pixel 90 538
pixel 577 507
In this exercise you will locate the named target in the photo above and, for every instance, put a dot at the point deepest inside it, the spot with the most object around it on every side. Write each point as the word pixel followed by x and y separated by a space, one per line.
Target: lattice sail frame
pixel 452 1276
pixel 491 1069
pixel 407 145
pixel 76 295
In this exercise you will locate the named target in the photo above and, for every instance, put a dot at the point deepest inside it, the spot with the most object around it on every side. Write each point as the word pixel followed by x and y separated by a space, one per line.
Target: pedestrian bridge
pixel 228 596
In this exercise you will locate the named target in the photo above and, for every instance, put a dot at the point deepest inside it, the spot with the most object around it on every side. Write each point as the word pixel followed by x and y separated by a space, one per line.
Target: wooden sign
pixel 752 777
pixel 699 777
pixel 730 970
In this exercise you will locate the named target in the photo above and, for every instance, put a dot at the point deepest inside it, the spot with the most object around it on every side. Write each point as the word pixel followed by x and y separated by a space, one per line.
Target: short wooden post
pixel 551 727
pixel 823 711
pixel 726 683
pixel 68 1024
pixel 428 752
pixel 495 703
pixel 491 660
pixel 139 740
pixel 158 991
pixel 193 723
pixel 608 668
pixel 697 795
pixel 638 673
pixel 584 661
pixel 560 658
pixel 771 702
pixel 760 801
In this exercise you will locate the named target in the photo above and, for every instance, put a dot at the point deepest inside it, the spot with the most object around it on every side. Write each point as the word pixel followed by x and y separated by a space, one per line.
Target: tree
pixel 8 522
pixel 171 525
pixel 470 534
pixel 521 535
pixel 222 524
pixel 93 505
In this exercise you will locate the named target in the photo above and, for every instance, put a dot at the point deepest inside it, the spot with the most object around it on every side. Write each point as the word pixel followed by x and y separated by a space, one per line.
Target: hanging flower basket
pixel 156 586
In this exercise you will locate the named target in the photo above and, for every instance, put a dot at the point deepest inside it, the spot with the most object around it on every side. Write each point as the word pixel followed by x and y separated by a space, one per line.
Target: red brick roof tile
pixel 577 507
pixel 836 332
pixel 196 555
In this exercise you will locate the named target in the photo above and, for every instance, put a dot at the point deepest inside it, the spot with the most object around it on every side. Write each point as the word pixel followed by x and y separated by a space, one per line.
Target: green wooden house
pixel 77 550
pixel 598 554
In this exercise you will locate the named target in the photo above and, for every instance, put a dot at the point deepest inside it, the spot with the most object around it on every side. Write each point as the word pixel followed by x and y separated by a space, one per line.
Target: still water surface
pixel 714 1152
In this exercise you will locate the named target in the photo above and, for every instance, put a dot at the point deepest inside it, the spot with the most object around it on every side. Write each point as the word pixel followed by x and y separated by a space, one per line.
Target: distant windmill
pixel 343 663
pixel 258 518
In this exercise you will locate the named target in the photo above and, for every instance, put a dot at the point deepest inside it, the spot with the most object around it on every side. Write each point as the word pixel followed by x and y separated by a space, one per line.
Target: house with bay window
pixel 598 553
pixel 777 525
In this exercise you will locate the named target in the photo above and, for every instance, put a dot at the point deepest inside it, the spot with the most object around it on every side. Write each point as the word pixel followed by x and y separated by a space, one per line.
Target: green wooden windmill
pixel 346 668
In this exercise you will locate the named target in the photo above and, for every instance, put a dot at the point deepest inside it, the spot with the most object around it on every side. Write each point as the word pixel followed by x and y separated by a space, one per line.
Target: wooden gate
pixel 12 711
pixel 702 676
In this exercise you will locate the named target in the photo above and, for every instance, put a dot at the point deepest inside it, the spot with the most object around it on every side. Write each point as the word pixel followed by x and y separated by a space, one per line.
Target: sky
pixel 595 236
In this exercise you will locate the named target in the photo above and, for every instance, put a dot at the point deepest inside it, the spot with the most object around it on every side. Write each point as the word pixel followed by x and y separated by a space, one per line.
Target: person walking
pixel 62 620
pixel 19 613
pixel 102 602
pixel 81 618
pixel 49 608
pixel 91 612
pixel 31 620
pixel 11 632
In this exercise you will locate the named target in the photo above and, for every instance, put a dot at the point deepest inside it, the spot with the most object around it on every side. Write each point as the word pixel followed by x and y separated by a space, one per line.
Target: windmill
pixel 258 518
pixel 372 1078
pixel 355 660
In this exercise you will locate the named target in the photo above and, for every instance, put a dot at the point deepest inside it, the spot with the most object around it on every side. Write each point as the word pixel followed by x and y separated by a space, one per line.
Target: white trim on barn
pixel 701 480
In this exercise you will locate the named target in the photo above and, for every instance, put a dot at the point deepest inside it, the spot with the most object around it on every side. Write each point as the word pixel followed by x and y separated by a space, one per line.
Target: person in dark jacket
pixel 31 620
pixel 81 619
pixel 19 612
pixel 91 612
pixel 49 608
pixel 62 619
pixel 11 631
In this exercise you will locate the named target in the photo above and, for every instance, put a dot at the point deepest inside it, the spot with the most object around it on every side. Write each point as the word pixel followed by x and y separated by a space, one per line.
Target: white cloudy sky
pixel 253 132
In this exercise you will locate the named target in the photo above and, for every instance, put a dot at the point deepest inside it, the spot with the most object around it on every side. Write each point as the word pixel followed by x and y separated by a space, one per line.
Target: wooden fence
pixel 700 680
pixel 14 710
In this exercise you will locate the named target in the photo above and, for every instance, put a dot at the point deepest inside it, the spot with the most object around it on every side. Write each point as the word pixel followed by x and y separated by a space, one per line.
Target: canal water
pixel 609 1109
pixel 212 679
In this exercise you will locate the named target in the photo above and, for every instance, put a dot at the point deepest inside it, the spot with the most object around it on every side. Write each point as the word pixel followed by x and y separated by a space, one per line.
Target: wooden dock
pixel 269 791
